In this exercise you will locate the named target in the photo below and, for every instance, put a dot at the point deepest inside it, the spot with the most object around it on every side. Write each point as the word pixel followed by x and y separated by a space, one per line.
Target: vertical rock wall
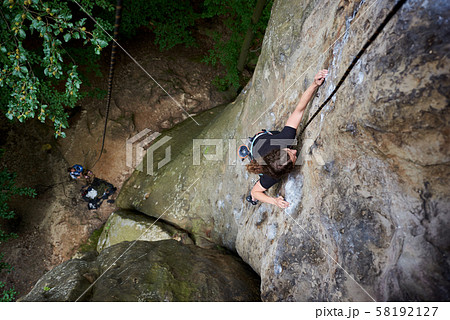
pixel 369 207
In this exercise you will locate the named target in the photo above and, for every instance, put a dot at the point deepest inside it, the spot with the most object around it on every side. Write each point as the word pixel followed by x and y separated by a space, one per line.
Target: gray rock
pixel 150 271
pixel 64 283
pixel 123 225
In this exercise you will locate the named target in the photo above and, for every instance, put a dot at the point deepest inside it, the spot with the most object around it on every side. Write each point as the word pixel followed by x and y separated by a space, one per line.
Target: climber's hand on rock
pixel 320 77
pixel 280 202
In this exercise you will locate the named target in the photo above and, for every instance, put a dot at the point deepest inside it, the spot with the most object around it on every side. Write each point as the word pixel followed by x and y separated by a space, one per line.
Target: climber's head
pixel 71 169
pixel 277 163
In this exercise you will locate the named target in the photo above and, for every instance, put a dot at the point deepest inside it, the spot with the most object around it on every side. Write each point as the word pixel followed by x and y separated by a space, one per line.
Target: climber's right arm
pixel 296 116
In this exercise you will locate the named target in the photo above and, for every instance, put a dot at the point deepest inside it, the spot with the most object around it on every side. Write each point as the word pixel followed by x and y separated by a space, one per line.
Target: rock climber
pixel 272 153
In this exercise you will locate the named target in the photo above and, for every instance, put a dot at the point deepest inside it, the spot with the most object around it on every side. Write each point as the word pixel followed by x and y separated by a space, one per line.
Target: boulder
pixel 123 225
pixel 164 270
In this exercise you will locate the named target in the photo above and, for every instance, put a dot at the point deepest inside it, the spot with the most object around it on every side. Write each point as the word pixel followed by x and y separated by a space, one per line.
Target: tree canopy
pixel 37 69
pixel 43 44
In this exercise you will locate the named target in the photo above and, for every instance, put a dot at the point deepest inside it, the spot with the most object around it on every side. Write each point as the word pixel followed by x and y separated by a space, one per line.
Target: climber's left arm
pixel 258 193
pixel 296 116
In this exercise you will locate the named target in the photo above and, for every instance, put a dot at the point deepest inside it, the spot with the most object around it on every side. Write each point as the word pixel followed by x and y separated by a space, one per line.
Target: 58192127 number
pixel 406 311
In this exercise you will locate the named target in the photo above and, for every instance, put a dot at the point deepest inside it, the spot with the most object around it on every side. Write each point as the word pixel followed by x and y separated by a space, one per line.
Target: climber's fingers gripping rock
pixel 280 202
pixel 320 77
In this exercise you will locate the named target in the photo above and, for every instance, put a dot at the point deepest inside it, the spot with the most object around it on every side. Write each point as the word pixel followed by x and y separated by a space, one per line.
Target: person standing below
pixel 273 154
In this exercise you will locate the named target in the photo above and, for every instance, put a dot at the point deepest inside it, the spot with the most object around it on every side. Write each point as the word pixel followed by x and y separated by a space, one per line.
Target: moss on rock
pixel 151 271
pixel 126 225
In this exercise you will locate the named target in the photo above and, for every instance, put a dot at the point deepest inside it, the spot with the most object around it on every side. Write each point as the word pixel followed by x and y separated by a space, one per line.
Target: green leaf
pixel 22 33
pixel 67 37
pixel 102 43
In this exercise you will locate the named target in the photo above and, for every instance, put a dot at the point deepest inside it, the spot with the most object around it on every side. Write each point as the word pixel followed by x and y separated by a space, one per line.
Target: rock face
pixel 369 209
pixel 150 271
pixel 124 225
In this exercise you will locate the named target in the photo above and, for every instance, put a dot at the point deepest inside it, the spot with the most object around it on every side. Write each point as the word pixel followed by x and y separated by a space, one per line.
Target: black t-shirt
pixel 268 142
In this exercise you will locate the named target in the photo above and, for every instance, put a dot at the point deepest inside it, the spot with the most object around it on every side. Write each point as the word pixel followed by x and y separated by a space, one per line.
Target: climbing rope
pixel 356 59
pixel 51 186
pixel 111 73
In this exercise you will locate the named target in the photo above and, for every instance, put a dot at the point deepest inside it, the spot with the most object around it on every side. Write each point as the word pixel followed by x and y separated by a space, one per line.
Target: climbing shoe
pixel 253 202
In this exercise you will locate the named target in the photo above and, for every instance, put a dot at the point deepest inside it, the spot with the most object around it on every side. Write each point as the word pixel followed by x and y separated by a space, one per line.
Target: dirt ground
pixel 52 226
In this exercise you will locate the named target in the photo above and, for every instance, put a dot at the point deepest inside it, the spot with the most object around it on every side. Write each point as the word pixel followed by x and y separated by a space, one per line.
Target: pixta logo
pixel 143 143
pixel 215 149
pixel 218 150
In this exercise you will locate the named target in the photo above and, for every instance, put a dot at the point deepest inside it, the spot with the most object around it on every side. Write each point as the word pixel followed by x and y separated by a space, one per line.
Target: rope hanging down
pixel 356 59
pixel 111 72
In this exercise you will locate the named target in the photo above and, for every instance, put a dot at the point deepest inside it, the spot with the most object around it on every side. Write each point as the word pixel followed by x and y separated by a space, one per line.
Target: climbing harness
pixel 356 59
pixel 246 150
pixel 111 73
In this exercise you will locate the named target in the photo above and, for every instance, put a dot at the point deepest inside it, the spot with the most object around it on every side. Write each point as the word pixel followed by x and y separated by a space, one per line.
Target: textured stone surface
pixel 123 225
pixel 157 196
pixel 150 271
pixel 369 203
